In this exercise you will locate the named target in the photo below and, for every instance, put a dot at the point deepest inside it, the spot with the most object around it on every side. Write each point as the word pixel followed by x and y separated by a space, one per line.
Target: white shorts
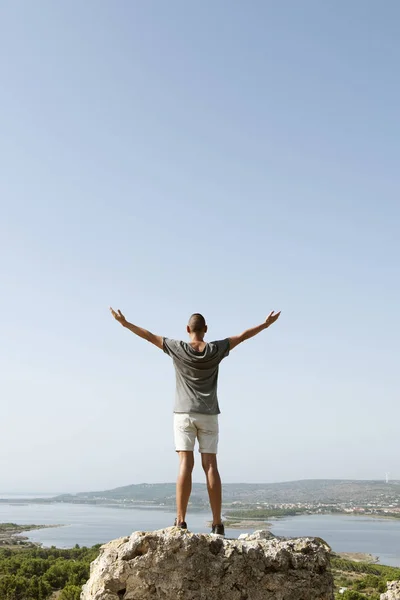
pixel 188 426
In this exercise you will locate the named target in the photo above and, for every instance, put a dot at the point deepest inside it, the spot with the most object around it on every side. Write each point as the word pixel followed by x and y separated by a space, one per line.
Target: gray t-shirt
pixel 196 375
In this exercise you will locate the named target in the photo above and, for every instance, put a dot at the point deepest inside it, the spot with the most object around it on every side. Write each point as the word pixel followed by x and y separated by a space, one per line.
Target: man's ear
pixel 188 328
pixel 205 329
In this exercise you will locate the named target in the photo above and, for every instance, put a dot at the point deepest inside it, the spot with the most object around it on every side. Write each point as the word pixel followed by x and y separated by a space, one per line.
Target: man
pixel 196 404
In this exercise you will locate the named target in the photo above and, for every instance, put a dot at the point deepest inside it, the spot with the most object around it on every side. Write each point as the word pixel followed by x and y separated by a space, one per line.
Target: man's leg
pixel 214 487
pixel 184 484
pixel 185 437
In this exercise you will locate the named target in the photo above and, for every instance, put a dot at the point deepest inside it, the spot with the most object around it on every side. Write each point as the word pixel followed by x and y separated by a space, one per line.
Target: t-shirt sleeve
pixel 223 348
pixel 169 347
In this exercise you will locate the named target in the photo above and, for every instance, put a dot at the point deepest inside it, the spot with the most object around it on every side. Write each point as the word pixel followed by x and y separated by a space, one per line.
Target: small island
pixel 244 524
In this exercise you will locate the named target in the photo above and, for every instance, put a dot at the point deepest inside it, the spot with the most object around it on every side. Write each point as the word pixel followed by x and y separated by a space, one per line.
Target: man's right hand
pixel 272 318
pixel 118 316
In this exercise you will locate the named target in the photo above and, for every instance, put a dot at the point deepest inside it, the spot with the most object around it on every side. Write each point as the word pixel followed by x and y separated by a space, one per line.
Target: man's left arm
pixel 235 340
pixel 157 340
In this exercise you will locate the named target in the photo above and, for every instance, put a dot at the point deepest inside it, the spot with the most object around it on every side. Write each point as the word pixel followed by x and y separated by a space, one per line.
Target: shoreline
pixel 365 557
pixel 74 531
pixel 194 508
pixel 11 535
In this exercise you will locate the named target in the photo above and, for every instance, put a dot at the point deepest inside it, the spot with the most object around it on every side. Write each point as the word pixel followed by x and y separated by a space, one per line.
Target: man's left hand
pixel 118 316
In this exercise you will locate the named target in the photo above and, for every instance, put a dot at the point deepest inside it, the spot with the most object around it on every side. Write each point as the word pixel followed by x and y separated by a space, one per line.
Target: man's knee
pixel 209 462
pixel 186 460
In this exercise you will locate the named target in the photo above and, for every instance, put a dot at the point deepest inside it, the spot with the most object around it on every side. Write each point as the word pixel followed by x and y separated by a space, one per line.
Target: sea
pixel 88 525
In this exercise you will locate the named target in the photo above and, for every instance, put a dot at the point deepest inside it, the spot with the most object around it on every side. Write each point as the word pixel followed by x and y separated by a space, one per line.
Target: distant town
pixel 256 501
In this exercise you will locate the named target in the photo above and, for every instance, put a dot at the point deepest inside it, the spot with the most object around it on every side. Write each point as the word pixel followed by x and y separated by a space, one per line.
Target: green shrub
pixel 35 573
pixel 71 592
pixel 353 595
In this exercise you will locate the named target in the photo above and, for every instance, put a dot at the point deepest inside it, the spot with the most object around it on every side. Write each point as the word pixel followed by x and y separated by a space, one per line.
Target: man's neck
pixel 196 337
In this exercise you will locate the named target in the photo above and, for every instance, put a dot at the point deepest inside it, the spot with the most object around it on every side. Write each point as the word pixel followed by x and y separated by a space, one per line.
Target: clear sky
pixel 223 157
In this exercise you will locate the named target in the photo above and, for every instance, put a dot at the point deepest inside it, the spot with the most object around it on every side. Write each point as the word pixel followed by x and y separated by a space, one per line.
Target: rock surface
pixel 393 591
pixel 172 564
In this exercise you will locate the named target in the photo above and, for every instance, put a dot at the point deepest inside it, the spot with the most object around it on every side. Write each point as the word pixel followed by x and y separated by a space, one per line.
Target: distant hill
pixel 308 490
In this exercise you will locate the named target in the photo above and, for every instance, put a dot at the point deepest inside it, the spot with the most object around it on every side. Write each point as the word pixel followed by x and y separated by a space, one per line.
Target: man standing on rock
pixel 196 404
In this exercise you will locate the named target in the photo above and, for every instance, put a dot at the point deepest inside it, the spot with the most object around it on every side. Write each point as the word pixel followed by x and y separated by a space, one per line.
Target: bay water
pixel 87 525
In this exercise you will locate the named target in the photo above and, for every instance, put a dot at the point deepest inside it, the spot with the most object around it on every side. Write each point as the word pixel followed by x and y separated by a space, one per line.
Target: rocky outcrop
pixel 172 564
pixel 393 591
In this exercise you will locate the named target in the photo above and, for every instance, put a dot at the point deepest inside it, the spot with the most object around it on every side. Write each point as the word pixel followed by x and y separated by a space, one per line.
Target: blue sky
pixel 228 158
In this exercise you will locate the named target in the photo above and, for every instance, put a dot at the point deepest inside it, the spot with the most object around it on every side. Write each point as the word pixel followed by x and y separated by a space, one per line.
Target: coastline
pixel 89 525
pixel 359 557
pixel 143 505
pixel 11 535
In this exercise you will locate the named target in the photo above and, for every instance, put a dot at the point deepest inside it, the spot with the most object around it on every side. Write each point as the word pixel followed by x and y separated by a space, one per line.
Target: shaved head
pixel 197 323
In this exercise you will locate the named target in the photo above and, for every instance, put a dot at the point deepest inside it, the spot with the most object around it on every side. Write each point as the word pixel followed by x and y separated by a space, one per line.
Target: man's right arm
pixel 157 340
pixel 249 333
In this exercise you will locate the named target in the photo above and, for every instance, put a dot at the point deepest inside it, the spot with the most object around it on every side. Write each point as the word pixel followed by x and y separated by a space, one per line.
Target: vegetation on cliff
pixel 363 581
pixel 36 573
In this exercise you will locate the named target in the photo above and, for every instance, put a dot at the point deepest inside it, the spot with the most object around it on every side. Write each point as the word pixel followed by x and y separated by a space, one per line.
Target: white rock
pixel 393 591
pixel 173 564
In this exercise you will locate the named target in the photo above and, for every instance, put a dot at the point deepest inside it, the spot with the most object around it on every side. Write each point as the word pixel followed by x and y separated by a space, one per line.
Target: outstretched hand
pixel 272 318
pixel 118 316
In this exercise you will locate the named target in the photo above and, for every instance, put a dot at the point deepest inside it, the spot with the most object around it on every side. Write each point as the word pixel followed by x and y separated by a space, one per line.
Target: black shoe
pixel 218 529
pixel 180 524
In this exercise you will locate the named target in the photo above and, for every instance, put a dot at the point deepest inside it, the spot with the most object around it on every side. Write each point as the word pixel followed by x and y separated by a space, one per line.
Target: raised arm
pixel 249 333
pixel 157 340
